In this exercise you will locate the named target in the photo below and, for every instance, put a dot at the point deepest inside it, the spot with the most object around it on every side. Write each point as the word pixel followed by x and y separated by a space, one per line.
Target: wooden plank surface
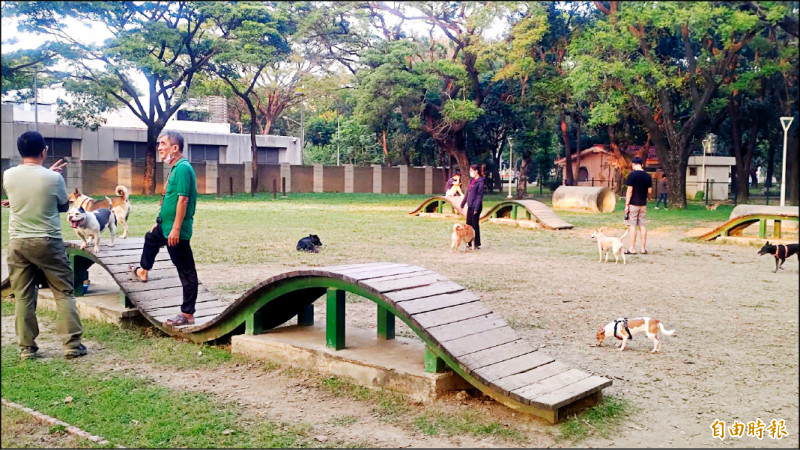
pixel 386 286
pixel 122 268
pixel 480 341
pixel 497 354
pixel 203 304
pixel 440 287
pixel 437 302
pixel 449 315
pixel 157 295
pixel 354 271
pixel 386 271
pixel 550 384
pixel 162 283
pixel 405 272
pixel 449 332
pixel 520 380
pixel 522 363
pixel 575 391
pixel 132 259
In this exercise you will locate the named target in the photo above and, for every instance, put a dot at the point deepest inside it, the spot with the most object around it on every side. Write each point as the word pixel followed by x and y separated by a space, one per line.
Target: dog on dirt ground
pixel 90 224
pixel 120 205
pixel 309 243
pixel 462 233
pixel 606 243
pixel 624 329
pixel 780 252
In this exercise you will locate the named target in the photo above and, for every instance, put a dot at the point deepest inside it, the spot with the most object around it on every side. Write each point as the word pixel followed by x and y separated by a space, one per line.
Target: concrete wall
pixel 333 179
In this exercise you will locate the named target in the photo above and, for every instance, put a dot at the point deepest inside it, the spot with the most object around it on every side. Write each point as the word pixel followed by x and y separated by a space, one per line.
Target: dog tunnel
pixel 594 199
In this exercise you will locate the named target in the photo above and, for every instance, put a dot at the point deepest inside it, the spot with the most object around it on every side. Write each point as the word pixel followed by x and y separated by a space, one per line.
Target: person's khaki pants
pixel 25 258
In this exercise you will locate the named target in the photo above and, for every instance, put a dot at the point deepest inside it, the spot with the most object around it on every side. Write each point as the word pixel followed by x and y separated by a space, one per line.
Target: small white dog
pixel 89 225
pixel 606 243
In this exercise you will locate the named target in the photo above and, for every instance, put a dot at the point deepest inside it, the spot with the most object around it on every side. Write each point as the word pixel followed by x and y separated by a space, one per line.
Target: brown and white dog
pixel 462 233
pixel 624 329
pixel 606 243
pixel 120 206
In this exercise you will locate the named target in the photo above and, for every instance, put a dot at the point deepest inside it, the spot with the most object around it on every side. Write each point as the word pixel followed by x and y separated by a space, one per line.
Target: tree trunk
pixel 253 147
pixel 153 131
pixel 567 150
pixel 677 184
pixel 773 145
pixel 385 150
pixel 743 158
pixel 793 166
pixel 454 145
pixel 578 149
pixel 522 176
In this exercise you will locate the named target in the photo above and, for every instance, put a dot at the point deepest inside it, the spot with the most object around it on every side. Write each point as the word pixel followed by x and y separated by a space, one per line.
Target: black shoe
pixel 76 352
pixel 29 352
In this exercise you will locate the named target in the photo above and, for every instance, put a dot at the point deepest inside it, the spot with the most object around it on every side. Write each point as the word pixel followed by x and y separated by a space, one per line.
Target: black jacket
pixel 474 197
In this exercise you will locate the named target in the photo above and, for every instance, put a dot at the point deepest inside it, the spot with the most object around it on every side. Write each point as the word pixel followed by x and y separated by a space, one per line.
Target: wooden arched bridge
pixel 515 210
pixel 460 332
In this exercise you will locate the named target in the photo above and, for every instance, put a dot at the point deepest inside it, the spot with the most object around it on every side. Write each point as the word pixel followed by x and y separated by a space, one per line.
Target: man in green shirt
pixel 36 196
pixel 175 217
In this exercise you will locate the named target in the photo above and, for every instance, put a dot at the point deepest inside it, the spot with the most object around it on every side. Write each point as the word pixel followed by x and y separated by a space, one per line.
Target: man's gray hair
pixel 174 137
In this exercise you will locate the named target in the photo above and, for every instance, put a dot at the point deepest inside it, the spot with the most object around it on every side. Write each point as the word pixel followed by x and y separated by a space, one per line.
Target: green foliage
pixel 601 420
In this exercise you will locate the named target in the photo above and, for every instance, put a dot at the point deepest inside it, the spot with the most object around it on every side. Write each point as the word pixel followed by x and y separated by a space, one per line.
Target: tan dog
pixel 606 243
pixel 120 206
pixel 624 329
pixel 462 233
pixel 712 207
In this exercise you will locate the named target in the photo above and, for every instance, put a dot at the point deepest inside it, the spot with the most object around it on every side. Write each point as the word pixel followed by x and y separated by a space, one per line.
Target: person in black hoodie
pixel 474 202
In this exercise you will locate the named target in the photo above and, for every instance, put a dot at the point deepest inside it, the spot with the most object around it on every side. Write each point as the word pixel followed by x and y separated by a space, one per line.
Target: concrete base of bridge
pixel 397 365
pixel 102 303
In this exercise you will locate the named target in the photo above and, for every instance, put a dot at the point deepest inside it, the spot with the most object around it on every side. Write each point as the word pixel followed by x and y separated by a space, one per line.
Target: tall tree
pixel 439 79
pixel 254 39
pixel 666 61
pixel 167 42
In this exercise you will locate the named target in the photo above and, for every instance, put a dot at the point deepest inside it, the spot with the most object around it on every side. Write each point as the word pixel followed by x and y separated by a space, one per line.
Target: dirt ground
pixel 734 355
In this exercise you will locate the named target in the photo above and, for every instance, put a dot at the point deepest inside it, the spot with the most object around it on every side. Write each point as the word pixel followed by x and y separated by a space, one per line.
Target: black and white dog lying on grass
pixel 309 244
pixel 89 225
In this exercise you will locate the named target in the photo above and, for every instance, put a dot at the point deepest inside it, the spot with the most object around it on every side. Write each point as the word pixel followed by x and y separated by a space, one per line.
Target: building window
pixel 135 151
pixel 200 152
pixel 59 148
pixel 268 155
pixel 692 171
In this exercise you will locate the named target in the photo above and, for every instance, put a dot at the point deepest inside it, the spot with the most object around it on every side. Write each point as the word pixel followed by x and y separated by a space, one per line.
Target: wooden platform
pixel 527 210
pixel 459 330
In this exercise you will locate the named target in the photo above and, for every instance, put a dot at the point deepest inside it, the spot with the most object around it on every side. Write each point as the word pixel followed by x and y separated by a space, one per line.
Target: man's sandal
pixel 134 270
pixel 628 252
pixel 179 320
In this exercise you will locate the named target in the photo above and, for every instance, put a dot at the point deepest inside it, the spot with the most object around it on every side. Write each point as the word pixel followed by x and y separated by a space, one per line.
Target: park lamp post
pixel 510 165
pixel 786 123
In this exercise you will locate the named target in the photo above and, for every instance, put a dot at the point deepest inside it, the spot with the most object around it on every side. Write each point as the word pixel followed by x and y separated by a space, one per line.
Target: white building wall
pixel 101 145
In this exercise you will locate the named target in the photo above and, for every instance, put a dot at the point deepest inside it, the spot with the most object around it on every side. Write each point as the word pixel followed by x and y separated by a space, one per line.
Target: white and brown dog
pixel 624 329
pixel 120 206
pixel 89 225
pixel 606 243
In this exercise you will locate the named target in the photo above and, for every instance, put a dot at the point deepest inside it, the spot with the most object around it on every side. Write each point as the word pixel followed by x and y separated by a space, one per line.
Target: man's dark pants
pixel 474 220
pixel 181 255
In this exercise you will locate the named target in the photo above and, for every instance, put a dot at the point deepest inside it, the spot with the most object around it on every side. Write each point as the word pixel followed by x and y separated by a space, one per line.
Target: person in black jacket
pixel 474 202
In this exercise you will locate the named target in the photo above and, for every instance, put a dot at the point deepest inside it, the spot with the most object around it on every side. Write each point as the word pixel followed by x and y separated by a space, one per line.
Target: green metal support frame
pixel 334 328
pixel 80 272
pixel 385 323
